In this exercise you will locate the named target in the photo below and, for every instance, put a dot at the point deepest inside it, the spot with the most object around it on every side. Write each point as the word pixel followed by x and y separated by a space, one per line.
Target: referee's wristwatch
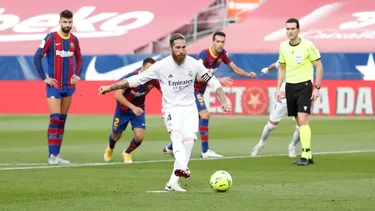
pixel 317 86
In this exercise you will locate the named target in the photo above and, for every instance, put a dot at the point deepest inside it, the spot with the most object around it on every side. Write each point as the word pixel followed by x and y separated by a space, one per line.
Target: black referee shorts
pixel 298 97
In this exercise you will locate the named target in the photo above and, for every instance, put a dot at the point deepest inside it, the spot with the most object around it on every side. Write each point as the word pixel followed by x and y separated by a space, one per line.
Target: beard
pixel 66 29
pixel 219 50
pixel 179 58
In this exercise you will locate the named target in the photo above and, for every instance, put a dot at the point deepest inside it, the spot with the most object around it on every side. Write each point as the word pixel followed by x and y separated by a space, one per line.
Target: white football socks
pixel 267 130
pixel 188 145
pixel 179 149
pixel 295 138
pixel 179 154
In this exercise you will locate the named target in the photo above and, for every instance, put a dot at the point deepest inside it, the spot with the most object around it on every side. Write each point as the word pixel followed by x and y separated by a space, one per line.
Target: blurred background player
pixel 60 47
pixel 130 108
pixel 297 56
pixel 177 74
pixel 211 59
pixel 277 113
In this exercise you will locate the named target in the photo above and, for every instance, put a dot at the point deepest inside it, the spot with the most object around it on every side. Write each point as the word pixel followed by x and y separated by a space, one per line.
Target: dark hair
pixel 148 60
pixel 66 14
pixel 293 20
pixel 176 36
pixel 222 34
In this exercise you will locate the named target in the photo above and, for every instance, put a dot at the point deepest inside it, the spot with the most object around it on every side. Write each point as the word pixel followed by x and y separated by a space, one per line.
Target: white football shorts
pixel 182 119
pixel 279 111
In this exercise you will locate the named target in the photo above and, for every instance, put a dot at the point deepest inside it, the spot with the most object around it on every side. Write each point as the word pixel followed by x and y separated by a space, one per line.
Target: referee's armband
pixel 206 77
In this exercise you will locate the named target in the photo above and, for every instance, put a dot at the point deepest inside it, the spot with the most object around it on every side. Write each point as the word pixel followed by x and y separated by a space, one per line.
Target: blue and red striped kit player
pixel 59 47
pixel 130 108
pixel 212 58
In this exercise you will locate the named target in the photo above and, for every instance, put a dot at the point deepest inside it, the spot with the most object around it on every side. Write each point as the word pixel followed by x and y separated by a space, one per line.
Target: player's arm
pixel 201 57
pixel 133 81
pixel 238 70
pixel 235 69
pixel 157 86
pixel 43 49
pixel 119 96
pixel 78 56
pixel 273 66
pixel 215 84
pixel 225 80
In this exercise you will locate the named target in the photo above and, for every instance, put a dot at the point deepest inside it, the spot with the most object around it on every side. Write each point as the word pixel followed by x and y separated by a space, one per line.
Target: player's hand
pixel 282 95
pixel 264 71
pixel 137 111
pixel 227 81
pixel 252 74
pixel 315 95
pixel 278 95
pixel 74 79
pixel 226 106
pixel 51 81
pixel 104 89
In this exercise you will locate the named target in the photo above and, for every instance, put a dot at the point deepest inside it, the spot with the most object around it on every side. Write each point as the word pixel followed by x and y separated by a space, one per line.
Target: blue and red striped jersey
pixel 60 51
pixel 137 95
pixel 212 63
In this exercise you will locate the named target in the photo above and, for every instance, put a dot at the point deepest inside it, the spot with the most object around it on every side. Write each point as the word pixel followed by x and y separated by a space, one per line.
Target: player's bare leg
pixel 302 121
pixel 203 129
pixel 113 138
pixel 139 134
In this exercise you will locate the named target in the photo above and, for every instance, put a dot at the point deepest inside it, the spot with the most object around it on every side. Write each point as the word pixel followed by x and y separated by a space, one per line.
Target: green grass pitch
pixel 343 177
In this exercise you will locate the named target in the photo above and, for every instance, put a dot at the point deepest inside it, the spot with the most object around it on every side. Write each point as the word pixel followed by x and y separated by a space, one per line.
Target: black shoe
pixel 296 161
pixel 311 161
pixel 303 160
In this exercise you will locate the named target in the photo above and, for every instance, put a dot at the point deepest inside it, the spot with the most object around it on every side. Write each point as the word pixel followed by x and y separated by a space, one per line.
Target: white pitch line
pixel 44 166
pixel 23 164
pixel 157 191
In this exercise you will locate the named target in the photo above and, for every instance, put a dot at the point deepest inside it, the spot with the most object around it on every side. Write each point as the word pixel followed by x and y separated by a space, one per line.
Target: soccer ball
pixel 221 181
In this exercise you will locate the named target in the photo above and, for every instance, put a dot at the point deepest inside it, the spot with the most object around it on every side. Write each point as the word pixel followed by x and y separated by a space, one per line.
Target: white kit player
pixel 176 74
pixel 278 112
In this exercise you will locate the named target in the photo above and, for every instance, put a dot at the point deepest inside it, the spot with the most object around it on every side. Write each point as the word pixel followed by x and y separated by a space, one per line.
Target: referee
pixel 297 56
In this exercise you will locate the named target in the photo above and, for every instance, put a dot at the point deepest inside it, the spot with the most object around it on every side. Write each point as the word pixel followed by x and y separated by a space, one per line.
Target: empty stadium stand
pixel 104 27
pixel 334 26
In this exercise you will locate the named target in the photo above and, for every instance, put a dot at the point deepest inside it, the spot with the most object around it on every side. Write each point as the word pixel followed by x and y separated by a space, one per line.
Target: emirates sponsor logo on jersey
pixel 179 85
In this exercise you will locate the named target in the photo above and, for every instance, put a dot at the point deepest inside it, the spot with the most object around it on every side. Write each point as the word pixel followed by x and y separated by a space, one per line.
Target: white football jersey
pixel 176 81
